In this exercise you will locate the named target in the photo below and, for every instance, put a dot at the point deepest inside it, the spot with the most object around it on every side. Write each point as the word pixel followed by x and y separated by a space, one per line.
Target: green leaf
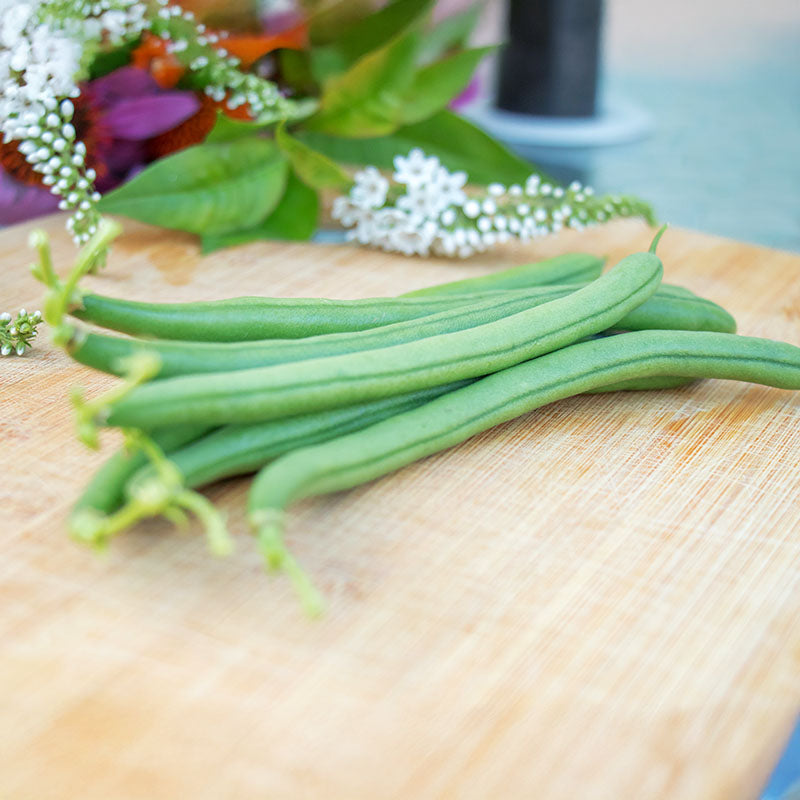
pixel 295 218
pixel 311 166
pixel 437 84
pixel 329 19
pixel 227 129
pixel 459 144
pixel 295 70
pixel 368 34
pixel 210 188
pixel 451 33
pixel 367 100
pixel 105 61
pixel 326 62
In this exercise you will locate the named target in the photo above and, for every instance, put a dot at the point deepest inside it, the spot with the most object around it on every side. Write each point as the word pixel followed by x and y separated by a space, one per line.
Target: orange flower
pixel 249 48
pixel 152 54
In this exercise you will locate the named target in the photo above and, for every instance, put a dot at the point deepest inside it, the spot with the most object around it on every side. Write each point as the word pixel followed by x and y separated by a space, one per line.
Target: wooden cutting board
pixel 598 600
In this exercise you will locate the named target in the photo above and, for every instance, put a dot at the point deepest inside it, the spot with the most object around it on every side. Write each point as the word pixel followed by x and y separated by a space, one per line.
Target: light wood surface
pixel 597 600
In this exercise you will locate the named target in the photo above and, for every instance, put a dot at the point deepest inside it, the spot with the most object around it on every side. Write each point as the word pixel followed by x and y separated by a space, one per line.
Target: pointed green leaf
pixel 311 166
pixel 330 19
pixel 451 33
pixel 459 144
pixel 227 129
pixel 437 84
pixel 368 34
pixel 210 188
pixel 295 219
pixel 367 99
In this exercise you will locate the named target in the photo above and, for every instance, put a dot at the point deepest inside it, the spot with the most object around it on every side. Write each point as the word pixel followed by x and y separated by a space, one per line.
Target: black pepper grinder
pixel 549 67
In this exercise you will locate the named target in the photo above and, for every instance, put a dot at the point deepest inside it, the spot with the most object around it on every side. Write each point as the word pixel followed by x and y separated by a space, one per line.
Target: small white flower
pixel 424 201
pixel 472 209
pixel 496 189
pixel 448 216
pixel 370 188
pixel 451 186
pixel 346 212
pixel 415 168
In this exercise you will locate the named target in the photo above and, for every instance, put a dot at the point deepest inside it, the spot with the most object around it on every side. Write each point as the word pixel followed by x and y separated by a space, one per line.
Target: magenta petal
pixel 144 117
pixel 123 83
pixel 124 154
pixel 19 201
pixel 468 96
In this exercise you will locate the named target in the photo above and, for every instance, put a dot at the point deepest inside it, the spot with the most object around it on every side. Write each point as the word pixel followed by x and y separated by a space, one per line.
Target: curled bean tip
pixel 657 238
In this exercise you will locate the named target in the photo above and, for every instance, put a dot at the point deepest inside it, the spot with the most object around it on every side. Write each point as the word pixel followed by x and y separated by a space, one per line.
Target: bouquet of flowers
pixel 137 108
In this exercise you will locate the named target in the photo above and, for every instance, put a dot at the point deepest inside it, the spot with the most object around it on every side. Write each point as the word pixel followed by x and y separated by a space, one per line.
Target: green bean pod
pixel 664 310
pixel 587 366
pixel 567 268
pixel 247 318
pixel 285 389
pixel 183 358
pixel 239 449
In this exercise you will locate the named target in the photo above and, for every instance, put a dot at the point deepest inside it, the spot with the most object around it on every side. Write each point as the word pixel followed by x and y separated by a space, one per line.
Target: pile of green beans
pixel 320 395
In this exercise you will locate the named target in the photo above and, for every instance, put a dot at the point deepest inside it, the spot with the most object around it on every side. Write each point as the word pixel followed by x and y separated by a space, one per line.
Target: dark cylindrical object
pixel 549 66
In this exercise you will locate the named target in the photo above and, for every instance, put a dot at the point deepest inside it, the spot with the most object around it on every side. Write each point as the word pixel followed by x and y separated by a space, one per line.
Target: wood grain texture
pixel 597 600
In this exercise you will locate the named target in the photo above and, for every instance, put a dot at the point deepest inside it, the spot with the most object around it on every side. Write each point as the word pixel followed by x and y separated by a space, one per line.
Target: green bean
pixel 239 449
pixel 643 385
pixel 286 389
pixel 247 318
pixel 674 312
pixel 567 268
pixel 353 459
pixel 663 310
pixel 182 358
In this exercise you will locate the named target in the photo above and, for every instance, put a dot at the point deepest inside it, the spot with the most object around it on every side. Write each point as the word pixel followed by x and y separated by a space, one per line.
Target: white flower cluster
pixel 427 210
pixel 42 46
pixel 43 50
